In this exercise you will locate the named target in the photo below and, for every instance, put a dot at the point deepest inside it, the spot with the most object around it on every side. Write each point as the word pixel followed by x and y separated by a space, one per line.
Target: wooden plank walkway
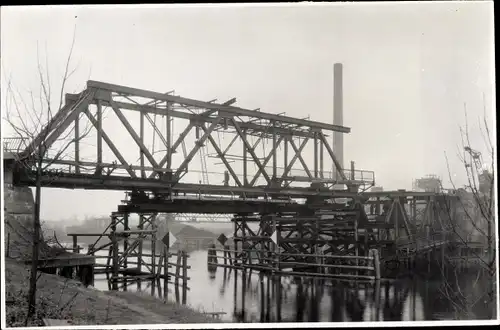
pixel 65 260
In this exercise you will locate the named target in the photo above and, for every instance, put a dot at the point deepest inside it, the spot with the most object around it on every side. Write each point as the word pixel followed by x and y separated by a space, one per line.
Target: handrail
pixel 324 256
pixel 422 240
pixel 14 144
pixel 274 261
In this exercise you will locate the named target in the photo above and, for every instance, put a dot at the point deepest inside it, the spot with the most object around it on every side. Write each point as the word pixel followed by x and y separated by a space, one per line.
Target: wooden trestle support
pixel 132 244
pixel 128 263
pixel 341 239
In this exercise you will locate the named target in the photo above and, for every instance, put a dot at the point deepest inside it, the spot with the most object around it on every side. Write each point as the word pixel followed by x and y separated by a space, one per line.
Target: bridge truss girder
pixel 142 167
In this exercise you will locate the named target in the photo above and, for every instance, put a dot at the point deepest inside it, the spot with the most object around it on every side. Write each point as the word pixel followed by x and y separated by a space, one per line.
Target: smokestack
pixel 338 137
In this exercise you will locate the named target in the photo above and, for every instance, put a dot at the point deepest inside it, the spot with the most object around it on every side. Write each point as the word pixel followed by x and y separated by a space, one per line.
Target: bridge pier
pixel 328 238
pixel 132 248
pixel 126 248
pixel 66 272
pixel 85 274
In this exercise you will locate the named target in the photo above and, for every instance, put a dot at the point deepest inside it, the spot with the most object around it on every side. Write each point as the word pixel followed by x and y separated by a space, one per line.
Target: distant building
pixel 377 189
pixel 429 183
pixel 485 182
pixel 100 222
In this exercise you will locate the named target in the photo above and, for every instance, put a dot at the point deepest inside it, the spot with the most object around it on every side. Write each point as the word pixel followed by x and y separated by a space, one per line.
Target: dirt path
pixel 66 299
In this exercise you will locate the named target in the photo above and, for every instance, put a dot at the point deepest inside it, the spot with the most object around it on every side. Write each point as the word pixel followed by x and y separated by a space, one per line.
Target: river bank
pixel 61 298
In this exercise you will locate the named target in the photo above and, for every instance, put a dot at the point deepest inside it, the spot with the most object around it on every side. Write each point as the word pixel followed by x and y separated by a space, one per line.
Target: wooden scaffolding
pixel 136 256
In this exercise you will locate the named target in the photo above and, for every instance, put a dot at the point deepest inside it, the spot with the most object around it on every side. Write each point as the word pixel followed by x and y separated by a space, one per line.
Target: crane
pixel 476 155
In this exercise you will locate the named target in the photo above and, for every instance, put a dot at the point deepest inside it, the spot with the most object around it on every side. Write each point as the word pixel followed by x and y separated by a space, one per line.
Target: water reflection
pixel 250 296
pixel 263 298
pixel 256 297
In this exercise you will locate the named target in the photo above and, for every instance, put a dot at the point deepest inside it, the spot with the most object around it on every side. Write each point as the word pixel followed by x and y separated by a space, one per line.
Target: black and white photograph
pixel 248 165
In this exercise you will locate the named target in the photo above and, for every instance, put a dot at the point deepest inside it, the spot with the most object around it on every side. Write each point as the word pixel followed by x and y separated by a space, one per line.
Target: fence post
pixel 225 255
pixel 177 275
pixel 114 279
pixel 184 277
pixel 230 256
pixel 165 274
pixel 212 257
pixel 75 244
pixel 376 263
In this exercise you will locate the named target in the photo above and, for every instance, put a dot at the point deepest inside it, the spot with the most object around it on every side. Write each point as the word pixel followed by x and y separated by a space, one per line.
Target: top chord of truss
pixel 256 120
pixel 143 153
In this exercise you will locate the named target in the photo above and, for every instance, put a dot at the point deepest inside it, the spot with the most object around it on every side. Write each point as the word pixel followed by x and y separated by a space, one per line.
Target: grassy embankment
pixel 60 298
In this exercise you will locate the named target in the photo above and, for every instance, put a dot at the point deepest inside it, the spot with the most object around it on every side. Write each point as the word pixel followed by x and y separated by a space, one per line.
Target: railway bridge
pixel 173 154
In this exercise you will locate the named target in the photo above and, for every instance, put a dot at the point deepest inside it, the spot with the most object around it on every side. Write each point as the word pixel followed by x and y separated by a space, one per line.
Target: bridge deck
pixel 212 207
pixel 200 191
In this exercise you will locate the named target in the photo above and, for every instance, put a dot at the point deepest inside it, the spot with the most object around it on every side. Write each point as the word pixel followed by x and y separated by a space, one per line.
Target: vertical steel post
pixel 338 119
pixel 275 160
pixel 316 155
pixel 77 144
pixel 245 164
pixel 321 160
pixel 99 136
pixel 396 219
pixel 285 153
pixel 169 137
pixel 141 154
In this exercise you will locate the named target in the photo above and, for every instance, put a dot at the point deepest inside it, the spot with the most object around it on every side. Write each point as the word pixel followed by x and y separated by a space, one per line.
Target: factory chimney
pixel 338 137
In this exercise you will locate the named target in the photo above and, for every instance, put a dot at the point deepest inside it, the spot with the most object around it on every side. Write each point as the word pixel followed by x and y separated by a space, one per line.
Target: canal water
pixel 258 298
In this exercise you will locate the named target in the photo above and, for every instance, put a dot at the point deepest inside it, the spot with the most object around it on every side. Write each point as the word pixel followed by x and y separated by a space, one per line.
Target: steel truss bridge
pixel 157 146
pixel 266 168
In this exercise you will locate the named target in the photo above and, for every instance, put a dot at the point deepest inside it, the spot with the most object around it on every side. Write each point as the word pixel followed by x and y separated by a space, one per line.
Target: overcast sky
pixel 408 70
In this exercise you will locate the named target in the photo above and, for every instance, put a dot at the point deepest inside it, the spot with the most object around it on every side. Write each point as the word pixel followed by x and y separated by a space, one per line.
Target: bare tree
pixel 470 218
pixel 33 118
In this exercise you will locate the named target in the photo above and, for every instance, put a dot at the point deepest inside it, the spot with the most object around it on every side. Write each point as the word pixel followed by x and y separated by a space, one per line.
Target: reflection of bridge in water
pixel 261 298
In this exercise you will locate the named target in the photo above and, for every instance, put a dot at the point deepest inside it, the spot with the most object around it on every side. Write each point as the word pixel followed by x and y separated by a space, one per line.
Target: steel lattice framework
pixel 174 124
